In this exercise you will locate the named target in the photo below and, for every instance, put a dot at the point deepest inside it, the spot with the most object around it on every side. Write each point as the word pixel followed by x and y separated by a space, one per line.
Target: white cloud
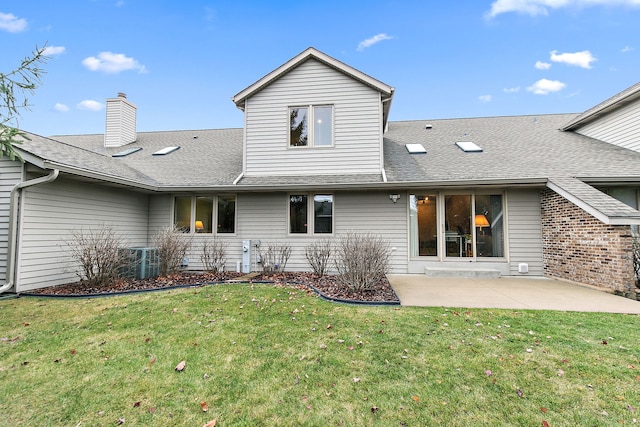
pixel 61 108
pixel 579 59
pixel 542 65
pixel 515 89
pixel 90 105
pixel 54 50
pixel 373 40
pixel 484 98
pixel 542 7
pixel 544 86
pixel 113 63
pixel 626 49
pixel 11 23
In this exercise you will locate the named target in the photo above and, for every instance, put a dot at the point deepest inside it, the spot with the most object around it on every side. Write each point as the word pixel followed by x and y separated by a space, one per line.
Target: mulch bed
pixel 328 286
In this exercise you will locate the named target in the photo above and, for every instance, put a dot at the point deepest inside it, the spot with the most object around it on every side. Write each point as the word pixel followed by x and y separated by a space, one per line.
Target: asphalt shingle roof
pixel 518 148
pixel 206 158
pixel 601 202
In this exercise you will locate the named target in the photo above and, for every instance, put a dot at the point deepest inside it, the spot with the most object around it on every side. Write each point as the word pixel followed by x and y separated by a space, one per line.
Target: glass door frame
pixel 441 244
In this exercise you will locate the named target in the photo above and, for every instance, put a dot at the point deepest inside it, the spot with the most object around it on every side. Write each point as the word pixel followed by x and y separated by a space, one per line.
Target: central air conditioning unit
pixel 140 263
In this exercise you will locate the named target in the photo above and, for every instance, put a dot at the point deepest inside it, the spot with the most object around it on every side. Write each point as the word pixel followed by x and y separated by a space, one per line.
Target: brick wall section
pixel 580 248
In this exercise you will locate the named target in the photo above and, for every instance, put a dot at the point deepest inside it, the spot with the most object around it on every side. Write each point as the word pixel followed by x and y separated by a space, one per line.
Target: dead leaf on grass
pixel 211 423
pixel 136 404
pixel 416 398
pixel 545 424
pixel 180 366
pixel 204 407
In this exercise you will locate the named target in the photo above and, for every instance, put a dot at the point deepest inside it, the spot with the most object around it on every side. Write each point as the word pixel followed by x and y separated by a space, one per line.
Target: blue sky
pixel 181 62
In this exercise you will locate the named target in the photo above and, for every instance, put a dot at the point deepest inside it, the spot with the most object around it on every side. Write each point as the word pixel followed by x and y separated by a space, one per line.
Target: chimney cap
pixel 122 95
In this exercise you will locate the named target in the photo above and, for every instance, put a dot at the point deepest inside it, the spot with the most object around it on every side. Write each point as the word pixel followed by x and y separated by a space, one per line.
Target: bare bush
pixel 172 245
pixel 98 252
pixel 361 260
pixel 274 256
pixel 213 255
pixel 318 255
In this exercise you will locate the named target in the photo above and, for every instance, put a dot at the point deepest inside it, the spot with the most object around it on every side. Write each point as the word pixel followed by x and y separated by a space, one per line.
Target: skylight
pixel 469 147
pixel 166 150
pixel 416 149
pixel 126 152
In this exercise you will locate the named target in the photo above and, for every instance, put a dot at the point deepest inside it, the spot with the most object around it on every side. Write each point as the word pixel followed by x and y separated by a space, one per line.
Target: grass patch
pixel 264 355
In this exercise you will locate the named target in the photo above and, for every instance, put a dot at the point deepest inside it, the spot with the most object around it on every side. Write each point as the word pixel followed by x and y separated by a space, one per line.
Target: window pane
pixel 322 213
pixel 204 214
pixel 489 226
pixel 226 214
pixel 182 213
pixel 424 226
pixel 322 126
pixel 298 213
pixel 298 126
pixel 457 217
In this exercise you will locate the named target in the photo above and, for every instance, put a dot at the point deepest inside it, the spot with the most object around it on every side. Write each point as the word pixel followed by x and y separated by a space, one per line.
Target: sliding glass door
pixel 454 226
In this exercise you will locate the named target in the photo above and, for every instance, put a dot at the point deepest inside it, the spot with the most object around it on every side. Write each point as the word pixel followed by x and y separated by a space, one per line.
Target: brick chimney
pixel 121 122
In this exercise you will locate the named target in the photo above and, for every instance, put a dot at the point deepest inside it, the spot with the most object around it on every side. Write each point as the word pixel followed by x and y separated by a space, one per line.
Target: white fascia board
pixel 30 158
pixel 98 176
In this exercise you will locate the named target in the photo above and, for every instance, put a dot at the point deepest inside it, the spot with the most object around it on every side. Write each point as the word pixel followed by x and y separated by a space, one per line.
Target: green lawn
pixel 273 356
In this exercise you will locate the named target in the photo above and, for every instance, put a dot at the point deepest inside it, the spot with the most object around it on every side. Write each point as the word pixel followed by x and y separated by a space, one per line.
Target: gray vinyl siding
pixel 160 214
pixel 10 175
pixel 525 231
pixel 264 217
pixel 51 212
pixel 357 125
pixel 621 127
pixel 375 213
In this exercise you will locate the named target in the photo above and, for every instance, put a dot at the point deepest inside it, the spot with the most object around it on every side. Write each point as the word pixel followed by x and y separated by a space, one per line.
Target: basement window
pixel 166 150
pixel 469 147
pixel 126 152
pixel 416 149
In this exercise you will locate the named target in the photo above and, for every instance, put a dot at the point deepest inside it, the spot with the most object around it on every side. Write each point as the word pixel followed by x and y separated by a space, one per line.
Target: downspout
pixel 13 224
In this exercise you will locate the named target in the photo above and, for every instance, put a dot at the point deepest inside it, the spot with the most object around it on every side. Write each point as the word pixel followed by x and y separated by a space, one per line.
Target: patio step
pixel 454 272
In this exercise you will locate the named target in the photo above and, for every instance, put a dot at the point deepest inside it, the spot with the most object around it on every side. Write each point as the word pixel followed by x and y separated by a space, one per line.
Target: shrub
pixel 213 255
pixel 172 245
pixel 318 255
pixel 361 260
pixel 98 251
pixel 274 256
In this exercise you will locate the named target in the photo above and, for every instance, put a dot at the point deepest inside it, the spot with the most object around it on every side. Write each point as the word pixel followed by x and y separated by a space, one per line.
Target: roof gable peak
pixel 311 53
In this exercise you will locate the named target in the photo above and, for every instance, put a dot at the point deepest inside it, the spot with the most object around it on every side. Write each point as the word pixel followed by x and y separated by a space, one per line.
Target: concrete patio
pixel 507 292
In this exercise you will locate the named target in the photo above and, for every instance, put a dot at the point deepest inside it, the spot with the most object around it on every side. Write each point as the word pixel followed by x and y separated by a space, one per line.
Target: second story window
pixel 311 126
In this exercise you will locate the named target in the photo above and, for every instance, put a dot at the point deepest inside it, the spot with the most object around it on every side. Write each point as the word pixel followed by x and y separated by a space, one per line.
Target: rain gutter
pixel 13 224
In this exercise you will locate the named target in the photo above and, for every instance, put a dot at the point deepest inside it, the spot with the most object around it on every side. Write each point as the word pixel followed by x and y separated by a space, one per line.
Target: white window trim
pixel 214 214
pixel 310 214
pixel 310 130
